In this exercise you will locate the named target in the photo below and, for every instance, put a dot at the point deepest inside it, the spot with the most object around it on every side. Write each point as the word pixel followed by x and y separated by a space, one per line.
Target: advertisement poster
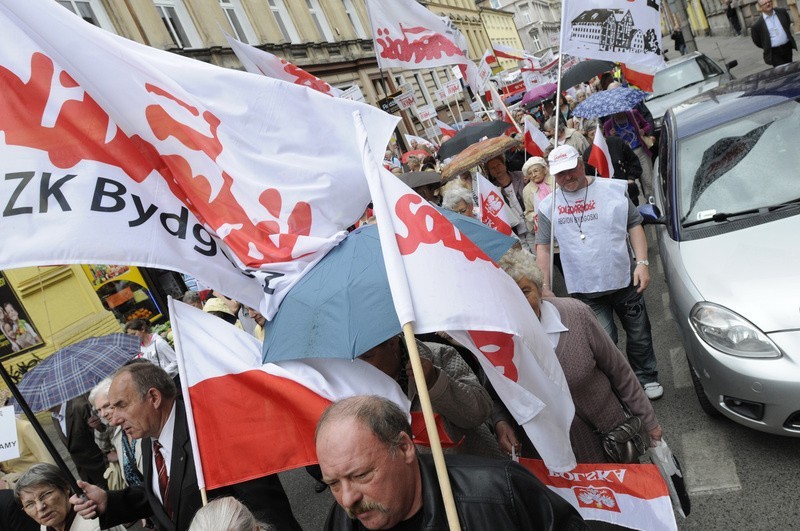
pixel 123 291
pixel 19 334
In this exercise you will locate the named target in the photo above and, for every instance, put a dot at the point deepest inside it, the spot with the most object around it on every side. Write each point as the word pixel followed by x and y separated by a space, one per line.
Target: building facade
pixel 332 39
pixel 538 22
pixel 501 29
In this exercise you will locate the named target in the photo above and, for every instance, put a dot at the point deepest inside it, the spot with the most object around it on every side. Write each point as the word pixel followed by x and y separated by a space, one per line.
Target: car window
pixel 708 67
pixel 675 77
pixel 748 163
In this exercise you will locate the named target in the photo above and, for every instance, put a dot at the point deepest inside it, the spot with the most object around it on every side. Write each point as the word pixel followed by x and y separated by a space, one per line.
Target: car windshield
pixel 682 74
pixel 749 163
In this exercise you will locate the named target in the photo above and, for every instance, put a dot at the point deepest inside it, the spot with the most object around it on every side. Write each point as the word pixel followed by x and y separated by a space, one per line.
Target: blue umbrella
pixel 343 306
pixel 609 102
pixel 75 370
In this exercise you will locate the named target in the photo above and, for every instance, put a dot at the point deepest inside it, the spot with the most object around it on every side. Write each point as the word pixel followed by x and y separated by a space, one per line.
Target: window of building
pixel 92 11
pixel 352 14
pixel 423 88
pixel 178 23
pixel 536 43
pixel 237 18
pixel 495 4
pixel 526 16
pixel 284 20
pixel 318 16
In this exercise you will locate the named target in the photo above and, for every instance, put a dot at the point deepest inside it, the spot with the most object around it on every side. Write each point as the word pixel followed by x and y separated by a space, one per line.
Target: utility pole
pixel 677 10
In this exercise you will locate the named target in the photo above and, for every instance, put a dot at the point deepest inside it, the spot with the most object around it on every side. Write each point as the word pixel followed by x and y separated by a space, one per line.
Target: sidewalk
pixel 726 48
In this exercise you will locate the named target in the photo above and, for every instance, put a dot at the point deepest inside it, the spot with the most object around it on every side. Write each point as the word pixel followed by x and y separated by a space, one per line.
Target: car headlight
pixel 731 333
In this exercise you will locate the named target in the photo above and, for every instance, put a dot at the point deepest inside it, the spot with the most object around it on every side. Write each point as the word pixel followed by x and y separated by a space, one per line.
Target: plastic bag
pixel 670 470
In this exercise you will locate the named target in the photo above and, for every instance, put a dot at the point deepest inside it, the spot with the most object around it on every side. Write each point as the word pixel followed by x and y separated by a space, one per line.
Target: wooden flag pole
pixel 430 425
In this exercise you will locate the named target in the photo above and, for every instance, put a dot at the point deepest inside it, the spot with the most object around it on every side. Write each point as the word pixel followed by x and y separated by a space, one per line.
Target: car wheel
pixel 705 403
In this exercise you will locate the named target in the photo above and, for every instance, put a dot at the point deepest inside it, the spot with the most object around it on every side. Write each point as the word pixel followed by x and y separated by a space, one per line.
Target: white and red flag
pixel 116 152
pixel 261 62
pixel 445 129
pixel 493 209
pixel 440 281
pixel 269 411
pixel 600 157
pixel 630 496
pixel 500 108
pixel 408 35
pixel 592 29
pixel 536 143
pixel 507 52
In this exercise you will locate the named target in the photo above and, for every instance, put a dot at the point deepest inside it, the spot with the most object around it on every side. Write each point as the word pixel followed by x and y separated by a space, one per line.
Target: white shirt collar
pixel 551 322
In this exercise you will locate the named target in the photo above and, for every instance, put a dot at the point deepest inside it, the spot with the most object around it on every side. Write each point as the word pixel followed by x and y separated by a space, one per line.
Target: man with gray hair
pixel 369 461
pixel 147 407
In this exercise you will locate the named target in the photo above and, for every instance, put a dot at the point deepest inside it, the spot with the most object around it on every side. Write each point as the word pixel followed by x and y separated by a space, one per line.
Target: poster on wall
pixel 123 291
pixel 19 334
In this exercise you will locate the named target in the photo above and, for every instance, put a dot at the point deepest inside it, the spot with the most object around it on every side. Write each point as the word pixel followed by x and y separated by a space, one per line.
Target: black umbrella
pixel 470 135
pixel 584 71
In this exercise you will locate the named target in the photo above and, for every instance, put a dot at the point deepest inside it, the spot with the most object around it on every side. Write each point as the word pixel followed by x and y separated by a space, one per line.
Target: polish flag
pixel 507 52
pixel 600 157
pixel 268 411
pixel 501 109
pixel 428 264
pixel 489 58
pixel 536 143
pixel 640 76
pixel 445 129
pixel 197 168
pixel 264 63
pixel 493 209
pixel 630 496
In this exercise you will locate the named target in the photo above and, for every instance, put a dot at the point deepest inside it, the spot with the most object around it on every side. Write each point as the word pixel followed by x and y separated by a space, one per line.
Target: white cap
pixel 564 157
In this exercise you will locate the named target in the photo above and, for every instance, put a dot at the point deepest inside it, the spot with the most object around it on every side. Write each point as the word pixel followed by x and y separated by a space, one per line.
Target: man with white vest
pixel 603 254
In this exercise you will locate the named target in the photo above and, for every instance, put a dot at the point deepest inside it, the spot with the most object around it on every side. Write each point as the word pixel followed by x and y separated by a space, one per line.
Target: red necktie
pixel 163 478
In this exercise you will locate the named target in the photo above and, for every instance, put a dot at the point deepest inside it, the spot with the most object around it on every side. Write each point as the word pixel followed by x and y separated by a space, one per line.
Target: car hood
pixel 659 105
pixel 754 272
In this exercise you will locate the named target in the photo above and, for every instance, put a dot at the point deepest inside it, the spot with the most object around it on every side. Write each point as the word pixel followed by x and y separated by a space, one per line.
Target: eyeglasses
pixel 44 498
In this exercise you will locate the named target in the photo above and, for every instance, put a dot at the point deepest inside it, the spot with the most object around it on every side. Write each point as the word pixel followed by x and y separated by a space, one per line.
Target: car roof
pixel 691 56
pixel 737 98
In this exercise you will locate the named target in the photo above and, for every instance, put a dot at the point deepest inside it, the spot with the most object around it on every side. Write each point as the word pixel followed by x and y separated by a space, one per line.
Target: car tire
pixel 705 403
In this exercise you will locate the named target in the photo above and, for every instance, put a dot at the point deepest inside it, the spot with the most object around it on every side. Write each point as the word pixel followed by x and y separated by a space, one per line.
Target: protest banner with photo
pixel 632 496
pixel 18 332
pixel 9 439
pixel 127 154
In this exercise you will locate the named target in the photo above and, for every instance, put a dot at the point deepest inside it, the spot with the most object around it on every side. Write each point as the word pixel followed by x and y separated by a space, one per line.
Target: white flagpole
pixel 557 111
pixel 198 463
pixel 401 294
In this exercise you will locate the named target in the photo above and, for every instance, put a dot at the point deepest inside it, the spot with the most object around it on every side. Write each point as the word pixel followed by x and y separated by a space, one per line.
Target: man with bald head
pixel 146 405
pixel 379 481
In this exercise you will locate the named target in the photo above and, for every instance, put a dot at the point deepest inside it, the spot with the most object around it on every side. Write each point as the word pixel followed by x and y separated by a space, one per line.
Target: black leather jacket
pixel 489 494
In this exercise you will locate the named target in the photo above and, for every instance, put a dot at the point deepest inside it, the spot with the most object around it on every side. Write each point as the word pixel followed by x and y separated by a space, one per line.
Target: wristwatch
pixel 643 262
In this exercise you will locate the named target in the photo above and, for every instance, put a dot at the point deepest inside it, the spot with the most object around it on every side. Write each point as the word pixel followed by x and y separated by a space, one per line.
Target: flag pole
pixel 401 295
pixel 557 111
pixel 430 425
pixel 187 401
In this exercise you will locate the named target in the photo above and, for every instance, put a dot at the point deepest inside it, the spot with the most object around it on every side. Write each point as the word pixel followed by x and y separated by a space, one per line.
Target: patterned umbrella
pixel 609 102
pixel 74 370
pixel 541 92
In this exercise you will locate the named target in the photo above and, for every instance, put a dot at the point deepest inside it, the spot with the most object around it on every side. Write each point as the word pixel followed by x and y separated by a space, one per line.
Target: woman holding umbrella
pixel 632 127
pixel 43 493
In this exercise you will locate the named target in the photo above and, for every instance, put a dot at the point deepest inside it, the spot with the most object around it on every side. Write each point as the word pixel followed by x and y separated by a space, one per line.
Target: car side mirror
pixel 651 215
pixel 731 64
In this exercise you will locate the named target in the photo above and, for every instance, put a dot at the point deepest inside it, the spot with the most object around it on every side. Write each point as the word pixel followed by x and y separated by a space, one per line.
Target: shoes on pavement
pixel 653 390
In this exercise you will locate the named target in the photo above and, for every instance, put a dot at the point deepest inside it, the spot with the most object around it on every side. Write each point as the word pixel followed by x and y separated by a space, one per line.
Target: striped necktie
pixel 163 478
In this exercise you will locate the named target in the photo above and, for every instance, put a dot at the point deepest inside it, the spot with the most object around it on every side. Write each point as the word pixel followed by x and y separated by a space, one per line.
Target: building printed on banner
pixel 612 30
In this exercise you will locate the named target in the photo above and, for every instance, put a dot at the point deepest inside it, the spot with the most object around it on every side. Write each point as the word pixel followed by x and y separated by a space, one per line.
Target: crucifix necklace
pixel 583 209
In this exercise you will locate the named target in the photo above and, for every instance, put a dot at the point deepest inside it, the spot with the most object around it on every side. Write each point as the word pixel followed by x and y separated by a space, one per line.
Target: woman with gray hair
pixel 459 199
pixel 598 375
pixel 227 514
pixel 43 493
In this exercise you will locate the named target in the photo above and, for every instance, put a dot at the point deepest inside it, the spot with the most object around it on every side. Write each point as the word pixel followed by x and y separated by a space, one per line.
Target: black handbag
pixel 625 443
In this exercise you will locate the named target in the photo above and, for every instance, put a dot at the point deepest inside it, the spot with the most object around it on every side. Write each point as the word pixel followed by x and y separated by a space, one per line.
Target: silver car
pixel 682 79
pixel 728 189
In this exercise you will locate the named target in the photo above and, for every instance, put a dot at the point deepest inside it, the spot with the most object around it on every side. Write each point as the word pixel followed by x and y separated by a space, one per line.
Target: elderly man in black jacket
pixel 369 461
pixel 147 407
pixel 772 34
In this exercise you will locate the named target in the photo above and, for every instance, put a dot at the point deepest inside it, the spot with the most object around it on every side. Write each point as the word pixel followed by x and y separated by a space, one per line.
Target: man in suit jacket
pixel 79 440
pixel 146 406
pixel 772 34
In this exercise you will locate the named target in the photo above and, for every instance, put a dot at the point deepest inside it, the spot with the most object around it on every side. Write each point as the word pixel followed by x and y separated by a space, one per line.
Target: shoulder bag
pixel 626 442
